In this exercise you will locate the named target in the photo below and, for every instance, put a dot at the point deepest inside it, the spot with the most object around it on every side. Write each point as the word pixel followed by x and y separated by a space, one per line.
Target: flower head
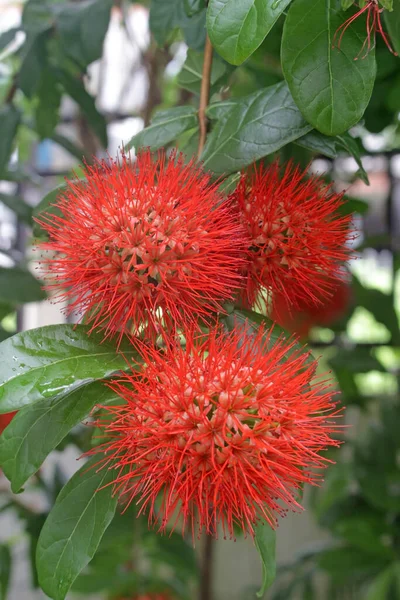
pixel 5 420
pixel 224 430
pixel 147 243
pixel 307 314
pixel 297 240
pixel 374 25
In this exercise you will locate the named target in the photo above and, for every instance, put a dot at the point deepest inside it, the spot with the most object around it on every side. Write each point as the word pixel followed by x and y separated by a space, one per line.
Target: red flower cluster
pixel 297 238
pixel 374 26
pixel 154 244
pixel 223 430
pixel 308 314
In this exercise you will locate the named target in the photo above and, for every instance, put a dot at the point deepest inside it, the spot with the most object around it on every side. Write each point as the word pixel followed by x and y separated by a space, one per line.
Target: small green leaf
pixel 166 17
pixel 352 146
pixel 18 285
pixel 44 362
pixel 192 7
pixel 318 142
pixel 191 75
pixel 7 37
pixel 237 29
pixel 39 428
pixel 5 570
pixel 19 206
pixel 331 89
pixel 9 121
pixel 265 541
pixel 82 28
pixel 392 21
pixel 165 127
pixel 33 63
pixel 74 528
pixel 48 104
pixel 75 88
pixel 257 125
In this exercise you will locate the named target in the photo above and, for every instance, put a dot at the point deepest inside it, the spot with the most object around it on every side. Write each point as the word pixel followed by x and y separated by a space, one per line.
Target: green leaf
pixel 331 89
pixel 74 528
pixel 75 88
pixel 165 127
pixel 5 570
pixel 18 286
pixel 82 28
pixel 166 17
pixel 346 562
pixel 217 110
pixel 47 205
pixel 318 142
pixel 258 125
pixel 265 541
pixel 70 146
pixel 33 64
pixel 192 7
pixel 9 121
pixel 237 29
pixel 356 360
pixel 191 75
pixel 392 21
pixel 380 305
pixel 352 146
pixel 48 104
pixel 7 37
pixel 380 587
pixel 37 16
pixel 39 428
pixel 19 206
pixel 44 362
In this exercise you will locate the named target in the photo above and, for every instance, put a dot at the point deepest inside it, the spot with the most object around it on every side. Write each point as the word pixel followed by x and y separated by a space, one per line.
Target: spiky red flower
pixel 5 420
pixel 224 430
pixel 374 26
pixel 147 243
pixel 297 239
pixel 308 314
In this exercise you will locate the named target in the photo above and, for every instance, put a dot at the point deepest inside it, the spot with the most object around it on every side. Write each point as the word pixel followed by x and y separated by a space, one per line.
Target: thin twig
pixel 11 92
pixel 205 95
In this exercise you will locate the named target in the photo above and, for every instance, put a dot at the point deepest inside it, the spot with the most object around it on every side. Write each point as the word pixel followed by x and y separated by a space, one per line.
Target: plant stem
pixel 206 569
pixel 205 94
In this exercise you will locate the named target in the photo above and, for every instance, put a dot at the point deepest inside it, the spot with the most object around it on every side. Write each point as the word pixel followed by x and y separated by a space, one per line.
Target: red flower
pixel 140 245
pixel 308 314
pixel 5 420
pixel 297 239
pixel 374 26
pixel 221 431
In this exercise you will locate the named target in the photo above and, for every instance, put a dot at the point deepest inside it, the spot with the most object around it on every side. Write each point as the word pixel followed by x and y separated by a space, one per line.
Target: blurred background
pixel 347 543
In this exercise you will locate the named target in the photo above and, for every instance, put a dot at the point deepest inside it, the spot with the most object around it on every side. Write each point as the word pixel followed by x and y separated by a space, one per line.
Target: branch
pixel 205 94
pixel 206 569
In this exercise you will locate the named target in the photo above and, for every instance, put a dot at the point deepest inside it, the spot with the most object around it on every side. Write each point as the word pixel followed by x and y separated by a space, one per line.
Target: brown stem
pixel 206 569
pixel 205 94
pixel 11 92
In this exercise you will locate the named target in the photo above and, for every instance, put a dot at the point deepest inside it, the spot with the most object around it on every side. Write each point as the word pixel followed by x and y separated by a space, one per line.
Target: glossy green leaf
pixel 5 570
pixel 74 528
pixel 256 126
pixel 331 89
pixel 190 76
pixel 44 362
pixel 217 110
pixel 318 142
pixel 237 29
pixel 9 121
pixel 165 127
pixel 18 285
pixel 82 28
pixel 265 541
pixel 75 88
pixel 39 428
pixel 17 205
pixel 392 21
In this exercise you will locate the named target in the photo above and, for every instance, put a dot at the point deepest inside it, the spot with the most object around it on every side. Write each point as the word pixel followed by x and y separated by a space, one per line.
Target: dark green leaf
pixel 7 37
pixel 258 125
pixel 380 305
pixel 237 29
pixel 392 20
pixel 19 206
pixel 34 525
pixel 331 89
pixel 18 285
pixel 47 205
pixel 356 360
pixel 192 7
pixel 39 428
pixel 9 121
pixel 265 541
pixel 345 562
pixel 74 528
pixel 165 127
pixel 351 145
pixel 44 362
pixel 48 104
pixel 82 28
pixel 194 28
pixel 75 88
pixel 33 63
pixel 380 587
pixel 191 75
pixel 37 16
pixel 69 146
pixel 166 17
pixel 318 142
pixel 5 570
